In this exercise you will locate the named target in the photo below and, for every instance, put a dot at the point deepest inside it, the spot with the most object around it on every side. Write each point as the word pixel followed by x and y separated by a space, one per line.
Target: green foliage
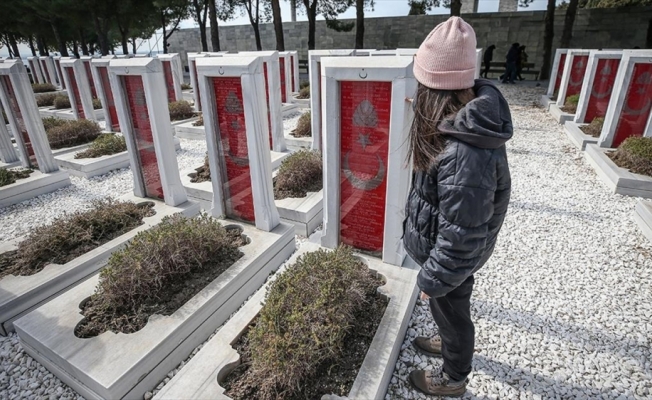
pixel 594 128
pixel 304 93
pixel 299 174
pixel 9 176
pixel 72 235
pixel 72 133
pixel 52 122
pixel 185 86
pixel 304 84
pixel 180 110
pixel 105 145
pixel 46 100
pixel 635 154
pixel 97 104
pixel 573 100
pixel 304 126
pixel 308 312
pixel 43 87
pixel 61 102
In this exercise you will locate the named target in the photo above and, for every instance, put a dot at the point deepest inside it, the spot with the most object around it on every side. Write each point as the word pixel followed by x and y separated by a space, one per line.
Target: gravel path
pixel 562 310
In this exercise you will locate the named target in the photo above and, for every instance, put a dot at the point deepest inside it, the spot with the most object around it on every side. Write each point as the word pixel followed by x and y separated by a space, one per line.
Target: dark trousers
pixel 452 314
pixel 510 73
pixel 487 66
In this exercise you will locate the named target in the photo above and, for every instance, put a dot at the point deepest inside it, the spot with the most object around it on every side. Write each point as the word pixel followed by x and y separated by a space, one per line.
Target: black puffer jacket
pixel 455 210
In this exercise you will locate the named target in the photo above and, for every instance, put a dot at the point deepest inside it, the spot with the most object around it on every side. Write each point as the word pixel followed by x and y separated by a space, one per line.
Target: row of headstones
pixel 612 84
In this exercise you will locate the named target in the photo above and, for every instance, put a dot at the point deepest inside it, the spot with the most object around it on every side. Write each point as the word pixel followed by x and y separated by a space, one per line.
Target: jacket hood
pixel 485 122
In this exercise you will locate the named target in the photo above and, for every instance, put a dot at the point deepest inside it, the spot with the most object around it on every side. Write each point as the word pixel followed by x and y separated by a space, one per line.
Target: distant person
pixel 521 63
pixel 488 57
pixel 511 60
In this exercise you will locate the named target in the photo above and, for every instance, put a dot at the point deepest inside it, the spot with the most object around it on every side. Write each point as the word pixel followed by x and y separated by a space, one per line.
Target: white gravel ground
pixel 562 309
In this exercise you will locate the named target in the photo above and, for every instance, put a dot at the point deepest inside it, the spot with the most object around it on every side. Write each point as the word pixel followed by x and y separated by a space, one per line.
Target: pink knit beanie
pixel 446 60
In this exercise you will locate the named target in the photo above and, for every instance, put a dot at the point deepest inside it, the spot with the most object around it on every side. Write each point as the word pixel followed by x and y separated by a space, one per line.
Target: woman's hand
pixel 424 297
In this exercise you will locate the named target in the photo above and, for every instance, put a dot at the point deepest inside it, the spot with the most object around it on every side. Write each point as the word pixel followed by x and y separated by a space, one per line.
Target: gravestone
pixel 100 71
pixel 572 79
pixel 366 123
pixel 294 71
pixel 193 77
pixel 629 113
pixel 8 155
pixel 314 70
pixel 237 139
pixel 57 66
pixel 556 73
pixel 35 68
pixel 138 85
pixel 478 63
pixel 79 91
pixel 284 66
pixel 598 85
pixel 406 52
pixel 173 76
pixel 381 53
pixel 86 60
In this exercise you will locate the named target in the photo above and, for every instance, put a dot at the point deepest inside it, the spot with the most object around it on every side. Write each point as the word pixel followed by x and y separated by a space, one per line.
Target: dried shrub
pixel 185 86
pixel 46 100
pixel 571 104
pixel 180 110
pixel 303 128
pixel 299 174
pixel 302 328
pixel 4 117
pixel 9 176
pixel 159 271
pixel 97 104
pixel 43 87
pixel 105 145
pixel 594 128
pixel 304 93
pixel 203 173
pixel 73 235
pixel 304 84
pixel 61 102
pixel 634 154
pixel 200 121
pixel 52 122
pixel 73 133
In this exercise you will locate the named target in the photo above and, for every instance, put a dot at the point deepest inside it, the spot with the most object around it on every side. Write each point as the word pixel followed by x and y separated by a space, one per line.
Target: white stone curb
pixel 188 131
pixel 579 138
pixel 619 180
pixel 301 103
pixel 305 213
pixel 37 184
pixel 643 217
pixel 559 116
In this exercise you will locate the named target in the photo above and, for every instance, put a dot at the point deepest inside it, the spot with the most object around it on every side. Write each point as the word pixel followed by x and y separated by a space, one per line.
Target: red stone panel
pixel 603 85
pixel 560 73
pixel 269 110
pixel 91 83
pixel 8 88
pixel 169 80
pixel 57 64
pixel 294 89
pixel 108 93
pixel 76 99
pixel 636 107
pixel 365 110
pixel 577 73
pixel 281 63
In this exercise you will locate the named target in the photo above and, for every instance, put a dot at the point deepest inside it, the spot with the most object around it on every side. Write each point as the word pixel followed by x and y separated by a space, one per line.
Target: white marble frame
pixel 270 60
pixel 89 60
pixel 7 153
pixel 99 87
pixel 26 101
pixel 397 70
pixel 250 71
pixel 177 72
pixel 589 78
pixel 382 53
pixel 616 102
pixel 83 87
pixel 287 64
pixel 59 71
pixel 478 63
pixel 151 72
pixel 294 57
pixel 193 77
pixel 565 78
pixel 406 52
pixel 554 71
pixel 314 73
pixel 46 69
pixel 35 68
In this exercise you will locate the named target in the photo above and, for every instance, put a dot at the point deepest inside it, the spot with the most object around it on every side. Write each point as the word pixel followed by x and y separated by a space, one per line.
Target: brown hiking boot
pixel 428 346
pixel 437 383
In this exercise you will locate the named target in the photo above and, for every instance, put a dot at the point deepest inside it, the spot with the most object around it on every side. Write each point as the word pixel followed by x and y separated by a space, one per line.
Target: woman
pixel 459 196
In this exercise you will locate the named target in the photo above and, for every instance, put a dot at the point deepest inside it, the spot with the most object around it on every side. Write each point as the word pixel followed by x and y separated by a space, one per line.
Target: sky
pixel 383 8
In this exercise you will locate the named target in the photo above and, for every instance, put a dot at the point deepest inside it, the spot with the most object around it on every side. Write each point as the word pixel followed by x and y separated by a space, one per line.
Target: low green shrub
pixel 304 126
pixel 72 133
pixel 105 145
pixel 52 122
pixel 571 104
pixel 185 86
pixel 200 121
pixel 97 104
pixel 43 87
pixel 634 154
pixel 304 84
pixel 61 102
pixel 180 110
pixel 594 128
pixel 302 328
pixel 299 174
pixel 9 176
pixel 46 100
pixel 304 93
pixel 158 271
pixel 72 235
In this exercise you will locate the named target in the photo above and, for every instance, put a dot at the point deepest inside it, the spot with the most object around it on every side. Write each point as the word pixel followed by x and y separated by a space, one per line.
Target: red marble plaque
pixel 577 73
pixel 76 99
pixel 108 94
pixel 143 136
pixel 31 67
pixel 636 106
pixel 603 84
pixel 196 89
pixel 57 64
pixel 560 73
pixel 15 111
pixel 365 113
pixel 294 89
pixel 281 64
pixel 233 152
pixel 44 70
pixel 269 111
pixel 89 76
pixel 169 81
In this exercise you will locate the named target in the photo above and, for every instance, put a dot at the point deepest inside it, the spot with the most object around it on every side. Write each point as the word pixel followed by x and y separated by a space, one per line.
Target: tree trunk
pixel 648 40
pixel 75 49
pixel 278 25
pixel 548 36
pixel 259 45
pixel 133 44
pixel 165 39
pixel 359 24
pixel 83 43
pixel 456 8
pixel 125 42
pixel 215 32
pixel 41 46
pixel 61 44
pixel 293 10
pixel 30 42
pixel 101 37
pixel 4 40
pixel 202 23
pixel 569 21
pixel 311 11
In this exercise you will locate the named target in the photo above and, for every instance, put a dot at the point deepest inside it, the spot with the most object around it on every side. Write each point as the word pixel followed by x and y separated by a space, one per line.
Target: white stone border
pixel 187 130
pixel 113 366
pixel 193 77
pixel 8 153
pixel 558 115
pixel 35 68
pixel 49 68
pixel 177 72
pixel 478 63
pixel 643 217
pixel 619 180
pixel 398 71
pixel 199 379
pixel 568 69
pixel 555 71
pixel 295 67
pixel 35 185
pixel 589 78
pixel 287 64
pixel 577 137
pixel 304 213
pixel 101 90
pixel 83 87
pixel 57 68
pixel 617 101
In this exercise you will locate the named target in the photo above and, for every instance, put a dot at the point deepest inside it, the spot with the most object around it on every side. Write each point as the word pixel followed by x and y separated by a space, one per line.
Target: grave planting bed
pixel 583 134
pixel 36 184
pixel 558 115
pixel 192 130
pixel 204 375
pixel 643 216
pixel 297 135
pixel 302 98
pixel 181 112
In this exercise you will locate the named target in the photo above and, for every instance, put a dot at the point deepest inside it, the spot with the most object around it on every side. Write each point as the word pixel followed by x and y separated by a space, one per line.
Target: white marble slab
pixel 643 217
pixel 37 184
pixel 559 116
pixel 576 136
pixel 619 180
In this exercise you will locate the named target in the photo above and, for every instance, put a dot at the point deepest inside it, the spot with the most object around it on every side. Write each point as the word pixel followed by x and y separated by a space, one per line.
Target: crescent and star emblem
pixel 364 184
pixel 365 115
pixel 577 68
pixel 645 79
pixel 240 161
pixel 233 105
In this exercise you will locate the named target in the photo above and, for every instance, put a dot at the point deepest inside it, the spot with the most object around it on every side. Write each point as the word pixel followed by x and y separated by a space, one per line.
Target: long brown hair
pixel 431 107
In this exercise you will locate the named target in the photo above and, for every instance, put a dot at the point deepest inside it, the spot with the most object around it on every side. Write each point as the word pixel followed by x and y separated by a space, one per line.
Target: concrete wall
pixel 594 28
